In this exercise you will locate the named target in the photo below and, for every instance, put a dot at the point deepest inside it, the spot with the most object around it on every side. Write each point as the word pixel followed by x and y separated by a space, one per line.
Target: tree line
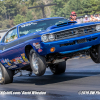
pixel 13 12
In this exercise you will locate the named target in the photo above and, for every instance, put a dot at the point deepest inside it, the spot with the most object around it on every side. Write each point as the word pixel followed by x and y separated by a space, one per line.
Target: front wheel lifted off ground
pixel 37 63
pixel 58 68
pixel 95 53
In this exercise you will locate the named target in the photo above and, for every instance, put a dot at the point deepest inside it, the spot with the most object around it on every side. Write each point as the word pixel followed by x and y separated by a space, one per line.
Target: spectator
pixel 86 19
pixel 92 18
pixel 96 18
pixel 81 20
pixel 73 16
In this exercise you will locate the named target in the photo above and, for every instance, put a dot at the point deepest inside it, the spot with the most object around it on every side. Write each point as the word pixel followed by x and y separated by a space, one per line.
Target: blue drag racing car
pixel 48 42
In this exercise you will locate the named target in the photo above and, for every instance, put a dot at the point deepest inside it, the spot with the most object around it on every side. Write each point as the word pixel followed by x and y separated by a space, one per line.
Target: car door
pixel 10 54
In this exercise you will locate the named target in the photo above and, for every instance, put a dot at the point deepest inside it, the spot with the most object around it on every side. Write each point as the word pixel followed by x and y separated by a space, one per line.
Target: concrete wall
pixel 2 32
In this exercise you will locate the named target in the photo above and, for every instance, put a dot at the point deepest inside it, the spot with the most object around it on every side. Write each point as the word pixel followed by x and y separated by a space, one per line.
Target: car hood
pixel 61 27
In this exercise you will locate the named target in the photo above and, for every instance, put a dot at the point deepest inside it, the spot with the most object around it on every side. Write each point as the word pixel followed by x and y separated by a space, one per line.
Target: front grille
pixel 79 41
pixel 81 31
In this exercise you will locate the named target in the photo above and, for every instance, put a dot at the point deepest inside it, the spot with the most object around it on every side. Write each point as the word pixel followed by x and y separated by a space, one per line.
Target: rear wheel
pixel 58 68
pixel 95 53
pixel 6 75
pixel 37 62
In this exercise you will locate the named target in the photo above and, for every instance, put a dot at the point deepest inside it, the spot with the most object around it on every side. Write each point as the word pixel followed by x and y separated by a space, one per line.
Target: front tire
pixel 95 53
pixel 37 63
pixel 58 68
pixel 6 75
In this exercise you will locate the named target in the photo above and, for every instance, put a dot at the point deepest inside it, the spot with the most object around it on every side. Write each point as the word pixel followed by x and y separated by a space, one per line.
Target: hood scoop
pixel 67 23
pixel 61 25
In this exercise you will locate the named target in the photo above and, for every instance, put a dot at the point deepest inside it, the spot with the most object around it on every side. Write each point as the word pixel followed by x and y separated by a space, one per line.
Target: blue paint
pixel 16 50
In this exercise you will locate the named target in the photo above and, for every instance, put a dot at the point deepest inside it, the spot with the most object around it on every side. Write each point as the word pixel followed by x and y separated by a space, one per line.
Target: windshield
pixel 39 26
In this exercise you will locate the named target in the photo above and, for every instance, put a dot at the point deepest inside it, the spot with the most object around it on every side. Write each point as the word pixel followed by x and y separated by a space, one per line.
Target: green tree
pixel 73 5
pixel 11 8
pixel 29 16
pixel 90 6
pixel 81 7
pixel 58 10
pixel 18 19
pixel 13 12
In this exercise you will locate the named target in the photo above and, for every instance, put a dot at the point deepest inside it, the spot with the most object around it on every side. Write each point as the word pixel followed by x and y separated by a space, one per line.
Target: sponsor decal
pixel 17 60
pixel 28 24
pixel 6 65
pixel 14 66
pixel 34 44
pixel 37 45
pixel 5 61
pixel 24 63
pixel 11 61
pixel 23 54
pixel 39 50
pixel 16 63
pixel 2 61
pixel 9 64
pixel 25 59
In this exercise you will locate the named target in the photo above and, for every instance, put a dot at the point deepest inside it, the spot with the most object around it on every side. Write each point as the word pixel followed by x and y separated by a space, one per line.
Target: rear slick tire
pixel 6 75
